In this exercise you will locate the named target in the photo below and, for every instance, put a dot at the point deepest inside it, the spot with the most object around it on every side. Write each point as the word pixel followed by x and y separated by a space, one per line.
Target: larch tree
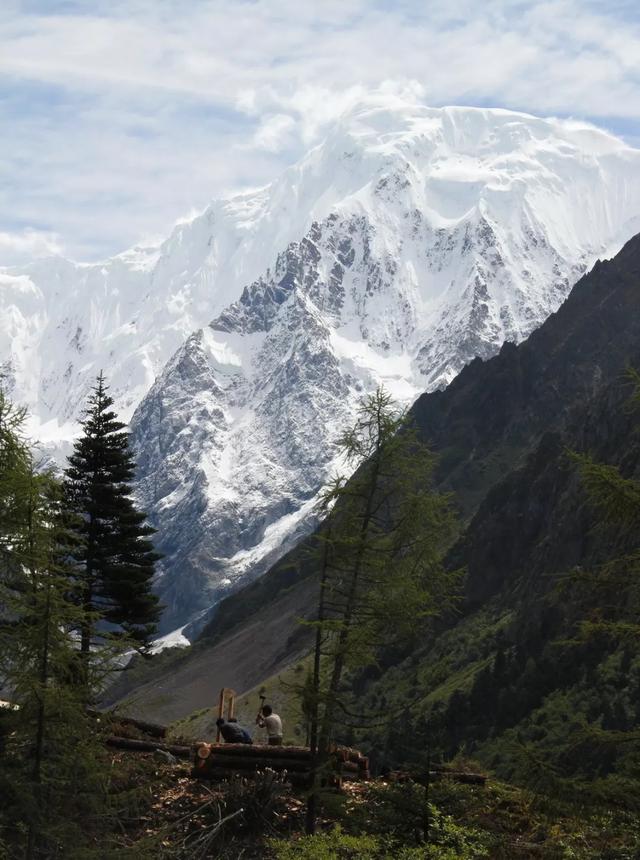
pixel 114 560
pixel 14 469
pixel 380 558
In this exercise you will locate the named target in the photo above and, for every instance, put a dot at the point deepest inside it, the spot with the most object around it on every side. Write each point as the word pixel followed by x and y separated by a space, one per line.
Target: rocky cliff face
pixel 409 242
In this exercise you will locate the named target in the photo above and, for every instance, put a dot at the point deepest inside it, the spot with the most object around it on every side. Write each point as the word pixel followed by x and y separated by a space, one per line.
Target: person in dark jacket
pixel 245 733
pixel 232 733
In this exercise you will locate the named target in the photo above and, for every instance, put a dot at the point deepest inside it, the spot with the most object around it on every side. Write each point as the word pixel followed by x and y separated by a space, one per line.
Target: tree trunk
pixel 338 666
pixel 312 800
pixel 43 675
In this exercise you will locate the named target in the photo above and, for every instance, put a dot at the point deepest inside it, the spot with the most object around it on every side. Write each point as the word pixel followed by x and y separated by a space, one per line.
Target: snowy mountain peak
pixel 409 241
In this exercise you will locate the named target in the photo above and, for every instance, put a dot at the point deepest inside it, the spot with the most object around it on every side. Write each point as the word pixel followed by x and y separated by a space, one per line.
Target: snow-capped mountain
pixel 409 241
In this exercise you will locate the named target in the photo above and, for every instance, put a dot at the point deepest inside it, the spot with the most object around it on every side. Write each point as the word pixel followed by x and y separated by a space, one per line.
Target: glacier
pixel 409 241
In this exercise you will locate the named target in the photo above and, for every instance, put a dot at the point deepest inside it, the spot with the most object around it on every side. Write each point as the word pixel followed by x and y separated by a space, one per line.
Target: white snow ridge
pixel 411 240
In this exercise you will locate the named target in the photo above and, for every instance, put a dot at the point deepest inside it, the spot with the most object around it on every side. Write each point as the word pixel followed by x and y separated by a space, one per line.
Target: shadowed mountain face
pixel 494 411
pixel 501 430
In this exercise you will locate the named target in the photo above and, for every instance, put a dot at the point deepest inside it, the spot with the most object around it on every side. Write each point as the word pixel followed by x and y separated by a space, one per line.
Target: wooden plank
pixel 220 712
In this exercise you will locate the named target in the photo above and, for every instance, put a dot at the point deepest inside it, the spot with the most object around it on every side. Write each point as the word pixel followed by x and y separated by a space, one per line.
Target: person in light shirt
pixel 272 723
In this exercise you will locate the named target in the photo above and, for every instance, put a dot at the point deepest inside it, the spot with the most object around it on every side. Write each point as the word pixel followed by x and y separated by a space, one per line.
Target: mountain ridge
pixel 411 240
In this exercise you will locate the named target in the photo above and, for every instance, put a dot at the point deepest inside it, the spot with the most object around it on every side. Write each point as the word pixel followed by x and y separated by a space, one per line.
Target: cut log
pixel 136 745
pixel 153 729
pixel 262 751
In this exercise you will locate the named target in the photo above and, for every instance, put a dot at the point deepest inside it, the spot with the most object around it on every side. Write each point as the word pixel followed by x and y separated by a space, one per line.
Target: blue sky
pixel 119 117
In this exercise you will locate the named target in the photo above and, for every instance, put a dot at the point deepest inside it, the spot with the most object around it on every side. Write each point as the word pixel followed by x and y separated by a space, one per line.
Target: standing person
pixel 273 724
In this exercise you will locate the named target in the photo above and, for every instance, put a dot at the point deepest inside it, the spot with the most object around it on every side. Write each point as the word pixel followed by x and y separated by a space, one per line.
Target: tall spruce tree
pixel 114 561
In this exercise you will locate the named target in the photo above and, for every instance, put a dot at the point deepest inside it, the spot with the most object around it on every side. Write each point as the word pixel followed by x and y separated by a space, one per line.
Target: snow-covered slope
pixel 409 241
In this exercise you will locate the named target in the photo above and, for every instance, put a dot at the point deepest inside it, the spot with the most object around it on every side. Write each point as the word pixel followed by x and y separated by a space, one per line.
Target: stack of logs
pixel 221 761
pixel 351 763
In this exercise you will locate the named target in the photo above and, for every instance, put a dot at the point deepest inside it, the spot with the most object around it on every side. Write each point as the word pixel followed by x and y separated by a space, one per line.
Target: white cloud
pixel 124 114
pixel 20 247
pixel 274 132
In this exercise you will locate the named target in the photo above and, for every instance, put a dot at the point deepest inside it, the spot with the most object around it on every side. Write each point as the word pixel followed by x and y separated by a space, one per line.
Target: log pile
pixel 352 762
pixel 221 761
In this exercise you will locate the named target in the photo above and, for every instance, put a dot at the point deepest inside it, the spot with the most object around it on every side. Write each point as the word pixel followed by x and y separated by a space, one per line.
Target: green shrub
pixel 448 841
pixel 333 845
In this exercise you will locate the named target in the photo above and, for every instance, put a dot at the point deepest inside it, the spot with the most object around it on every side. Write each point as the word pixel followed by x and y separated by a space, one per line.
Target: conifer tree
pixel 114 562
pixel 388 537
pixel 380 558
pixel 604 747
pixel 14 468
pixel 51 779
pixel 615 583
